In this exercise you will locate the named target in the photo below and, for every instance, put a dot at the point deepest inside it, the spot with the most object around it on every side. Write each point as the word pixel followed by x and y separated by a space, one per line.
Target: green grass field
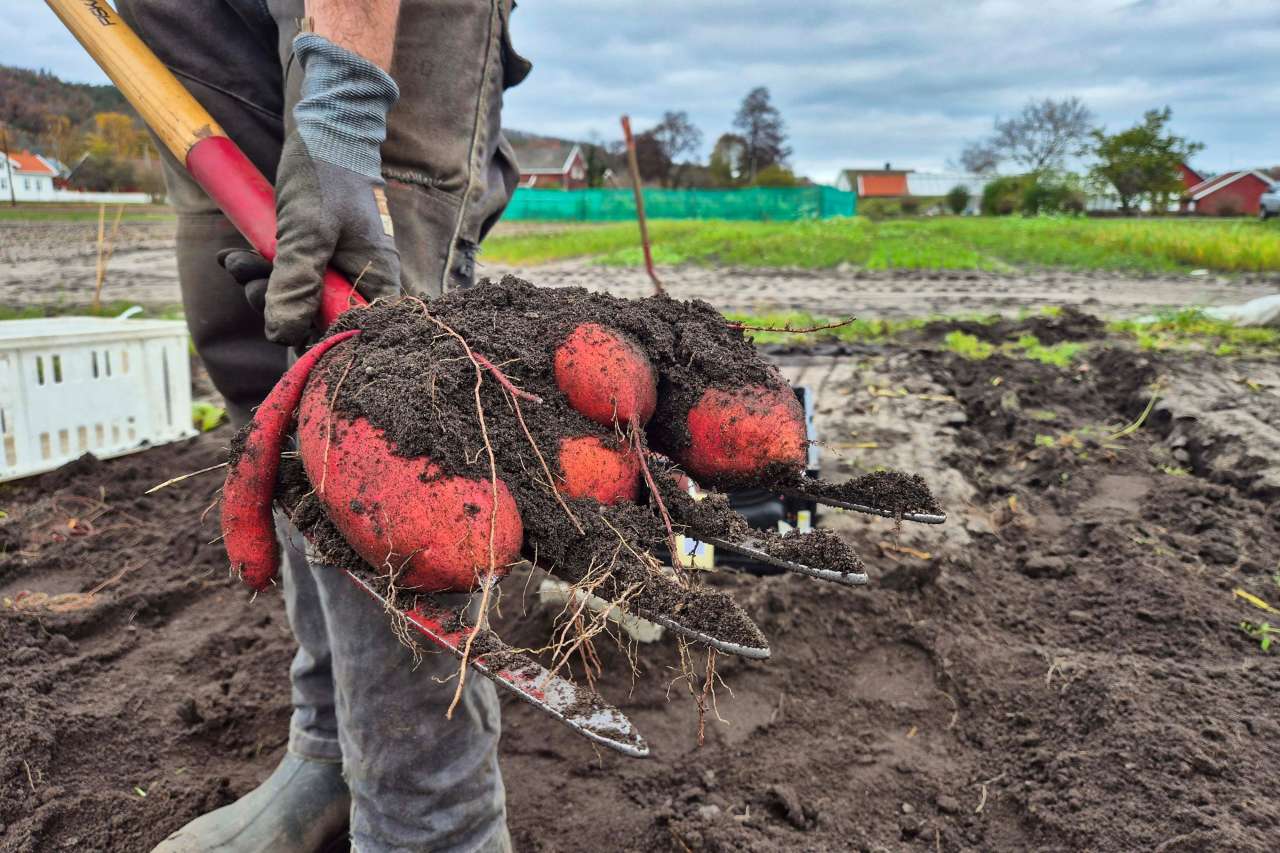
pixel 57 212
pixel 954 243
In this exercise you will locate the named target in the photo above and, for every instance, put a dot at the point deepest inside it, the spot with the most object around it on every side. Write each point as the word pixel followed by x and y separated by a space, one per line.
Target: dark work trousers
pixel 418 781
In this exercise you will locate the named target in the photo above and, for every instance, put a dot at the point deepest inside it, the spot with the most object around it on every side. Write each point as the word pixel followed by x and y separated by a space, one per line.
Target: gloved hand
pixel 331 204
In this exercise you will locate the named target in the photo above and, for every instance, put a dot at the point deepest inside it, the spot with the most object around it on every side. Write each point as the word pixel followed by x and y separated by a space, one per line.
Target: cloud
pixel 866 82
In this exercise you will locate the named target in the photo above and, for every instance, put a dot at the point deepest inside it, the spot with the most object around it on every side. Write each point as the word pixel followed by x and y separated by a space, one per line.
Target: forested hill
pixel 28 98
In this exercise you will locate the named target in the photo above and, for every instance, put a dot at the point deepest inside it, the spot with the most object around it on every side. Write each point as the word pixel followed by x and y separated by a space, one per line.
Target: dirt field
pixel 1060 667
pixel 55 263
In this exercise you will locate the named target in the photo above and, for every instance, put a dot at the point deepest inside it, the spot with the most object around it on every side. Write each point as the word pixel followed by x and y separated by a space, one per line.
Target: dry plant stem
pixel 642 452
pixel 182 477
pixel 487 585
pixel 503 380
pixel 328 433
pixel 787 328
pixel 104 256
pixel 551 482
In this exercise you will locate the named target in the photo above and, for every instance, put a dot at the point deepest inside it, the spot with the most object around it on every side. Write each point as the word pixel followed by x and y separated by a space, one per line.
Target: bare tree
pixel 763 132
pixel 1038 138
pixel 979 157
pixel 676 138
pixel 1044 133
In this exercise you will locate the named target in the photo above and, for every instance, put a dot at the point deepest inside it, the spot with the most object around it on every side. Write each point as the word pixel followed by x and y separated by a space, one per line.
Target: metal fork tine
pixel 754 550
pixel 918 517
pixel 580 709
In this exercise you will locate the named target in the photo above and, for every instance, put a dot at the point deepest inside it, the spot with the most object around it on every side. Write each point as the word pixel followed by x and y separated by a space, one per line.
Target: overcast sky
pixel 861 83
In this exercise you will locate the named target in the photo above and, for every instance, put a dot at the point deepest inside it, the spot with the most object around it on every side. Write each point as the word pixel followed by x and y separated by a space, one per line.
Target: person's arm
pixel 367 29
pixel 331 205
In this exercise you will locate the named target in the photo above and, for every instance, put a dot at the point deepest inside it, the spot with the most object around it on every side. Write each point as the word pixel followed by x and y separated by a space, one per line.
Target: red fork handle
pixel 244 195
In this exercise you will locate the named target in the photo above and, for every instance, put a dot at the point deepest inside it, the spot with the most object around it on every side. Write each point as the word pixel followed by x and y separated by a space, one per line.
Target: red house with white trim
pixel 550 163
pixel 1228 194
pixel 30 174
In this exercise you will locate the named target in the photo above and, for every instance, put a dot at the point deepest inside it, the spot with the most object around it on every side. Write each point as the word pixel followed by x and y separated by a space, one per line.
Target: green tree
pixel 776 176
pixel 61 139
pixel 116 134
pixel 763 132
pixel 958 198
pixel 1052 192
pixel 726 164
pixel 1142 161
pixel 1003 195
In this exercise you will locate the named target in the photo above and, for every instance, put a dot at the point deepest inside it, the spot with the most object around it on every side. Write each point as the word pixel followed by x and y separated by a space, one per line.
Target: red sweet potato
pixel 248 529
pixel 735 436
pixel 604 373
pixel 594 469
pixel 403 515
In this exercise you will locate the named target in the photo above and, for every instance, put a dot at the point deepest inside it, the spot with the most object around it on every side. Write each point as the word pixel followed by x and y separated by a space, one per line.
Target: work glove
pixel 331 203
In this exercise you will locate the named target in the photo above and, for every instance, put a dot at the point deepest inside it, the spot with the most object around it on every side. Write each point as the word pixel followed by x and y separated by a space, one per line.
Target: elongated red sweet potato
pixel 603 373
pixel 401 515
pixel 248 529
pixel 594 469
pixel 736 436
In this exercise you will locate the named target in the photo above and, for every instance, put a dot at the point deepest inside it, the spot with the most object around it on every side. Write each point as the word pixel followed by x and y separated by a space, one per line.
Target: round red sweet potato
pixel 595 469
pixel 603 372
pixel 735 436
pixel 406 514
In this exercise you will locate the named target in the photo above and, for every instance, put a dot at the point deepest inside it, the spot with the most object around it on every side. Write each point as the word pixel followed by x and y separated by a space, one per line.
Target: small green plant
pixel 1175 471
pixel 967 346
pixel 1046 441
pixel 1192 328
pixel 206 416
pixel 1058 355
pixel 1261 632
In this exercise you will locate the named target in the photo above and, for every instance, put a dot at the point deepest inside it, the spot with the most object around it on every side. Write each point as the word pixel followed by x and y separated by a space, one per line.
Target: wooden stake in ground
pixel 104 253
pixel 634 168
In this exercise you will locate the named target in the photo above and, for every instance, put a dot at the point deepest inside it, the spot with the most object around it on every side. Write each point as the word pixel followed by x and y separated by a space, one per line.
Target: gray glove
pixel 331 204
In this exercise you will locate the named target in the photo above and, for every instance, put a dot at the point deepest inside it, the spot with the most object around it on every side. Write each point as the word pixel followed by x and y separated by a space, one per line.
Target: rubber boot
pixel 301 808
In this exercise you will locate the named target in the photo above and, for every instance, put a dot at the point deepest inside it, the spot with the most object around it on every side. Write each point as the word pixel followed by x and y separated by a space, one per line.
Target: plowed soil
pixel 1059 667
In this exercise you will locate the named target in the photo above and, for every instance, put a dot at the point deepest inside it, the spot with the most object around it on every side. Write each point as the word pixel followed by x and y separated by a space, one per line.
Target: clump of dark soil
pixel 894 491
pixel 408 374
pixel 145 689
pixel 1067 324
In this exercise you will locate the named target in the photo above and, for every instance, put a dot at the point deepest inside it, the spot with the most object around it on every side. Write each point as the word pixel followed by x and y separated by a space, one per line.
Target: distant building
pixel 550 163
pixel 31 176
pixel 1190 177
pixel 874 183
pixel 890 183
pixel 1228 194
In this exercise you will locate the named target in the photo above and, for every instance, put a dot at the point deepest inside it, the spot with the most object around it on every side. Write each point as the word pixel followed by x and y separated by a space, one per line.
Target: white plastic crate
pixel 75 385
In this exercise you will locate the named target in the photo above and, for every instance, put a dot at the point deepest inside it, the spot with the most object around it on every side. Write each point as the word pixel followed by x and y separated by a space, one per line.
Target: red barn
pixel 1228 194
pixel 550 163
pixel 1190 177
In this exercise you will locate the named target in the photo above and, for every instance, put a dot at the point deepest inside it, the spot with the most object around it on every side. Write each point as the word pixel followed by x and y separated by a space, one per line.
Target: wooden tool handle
pixel 184 127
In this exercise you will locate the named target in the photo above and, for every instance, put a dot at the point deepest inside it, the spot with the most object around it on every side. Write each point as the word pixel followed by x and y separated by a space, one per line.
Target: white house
pixel 30 175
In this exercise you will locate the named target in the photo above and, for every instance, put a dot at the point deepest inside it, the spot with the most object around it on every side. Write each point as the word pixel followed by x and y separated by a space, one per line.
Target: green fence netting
pixel 756 203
